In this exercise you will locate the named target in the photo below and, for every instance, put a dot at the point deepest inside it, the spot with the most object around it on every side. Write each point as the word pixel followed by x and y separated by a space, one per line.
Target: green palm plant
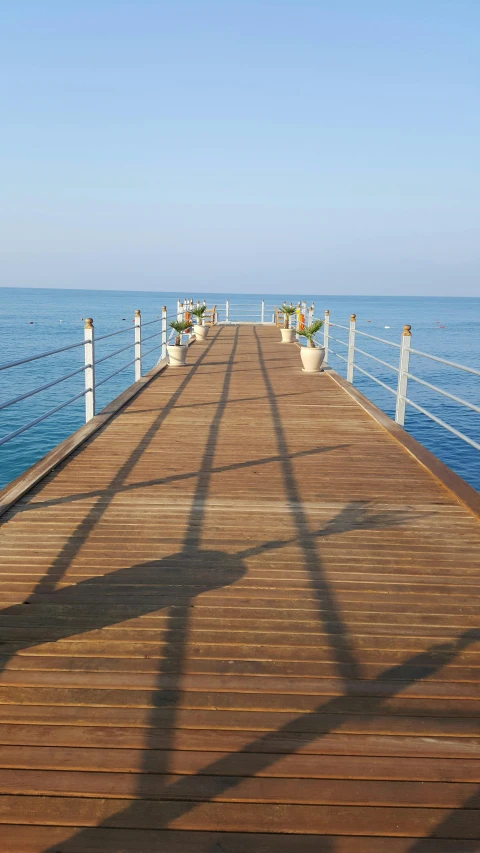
pixel 198 312
pixel 288 310
pixel 179 326
pixel 309 332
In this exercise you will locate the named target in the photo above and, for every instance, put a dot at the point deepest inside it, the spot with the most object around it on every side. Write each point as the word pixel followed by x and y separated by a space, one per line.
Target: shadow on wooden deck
pixel 191 572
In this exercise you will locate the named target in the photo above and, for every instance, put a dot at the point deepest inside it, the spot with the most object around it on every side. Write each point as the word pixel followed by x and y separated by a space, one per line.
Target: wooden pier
pixel 241 618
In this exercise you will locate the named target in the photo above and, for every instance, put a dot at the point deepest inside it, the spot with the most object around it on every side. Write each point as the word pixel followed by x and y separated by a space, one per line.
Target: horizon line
pixel 235 293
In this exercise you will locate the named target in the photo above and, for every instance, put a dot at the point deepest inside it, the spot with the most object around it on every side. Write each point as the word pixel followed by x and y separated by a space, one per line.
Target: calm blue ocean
pixel 36 320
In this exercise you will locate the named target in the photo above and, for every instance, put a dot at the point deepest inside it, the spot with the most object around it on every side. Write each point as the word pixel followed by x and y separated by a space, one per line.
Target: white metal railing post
pixel 351 348
pixel 263 311
pixel 405 344
pixel 226 311
pixel 89 348
pixel 164 332
pixel 138 345
pixel 325 333
pixel 312 309
pixel 179 310
pixel 310 315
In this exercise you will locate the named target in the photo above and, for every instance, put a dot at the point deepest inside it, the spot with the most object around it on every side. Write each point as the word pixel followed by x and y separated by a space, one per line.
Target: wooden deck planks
pixel 241 618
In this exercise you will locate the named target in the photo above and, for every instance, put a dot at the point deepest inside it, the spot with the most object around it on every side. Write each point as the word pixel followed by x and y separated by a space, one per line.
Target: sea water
pixel 37 320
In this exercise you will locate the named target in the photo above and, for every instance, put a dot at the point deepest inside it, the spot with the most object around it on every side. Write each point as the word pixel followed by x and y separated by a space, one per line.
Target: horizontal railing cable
pixel 41 388
pixel 102 381
pixel 338 326
pixel 112 354
pixel 443 424
pixel 150 350
pixel 444 393
pixel 444 361
pixel 375 379
pixel 332 352
pixel 382 340
pixel 111 334
pixel 40 355
pixel 41 418
pixel 374 358
pixel 149 337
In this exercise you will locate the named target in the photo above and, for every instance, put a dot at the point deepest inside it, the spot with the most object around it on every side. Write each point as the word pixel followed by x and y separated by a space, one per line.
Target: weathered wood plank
pixel 233 817
pixel 338 766
pixel 32 839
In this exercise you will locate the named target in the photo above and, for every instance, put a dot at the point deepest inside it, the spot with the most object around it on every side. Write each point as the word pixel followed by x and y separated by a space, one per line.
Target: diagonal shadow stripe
pixel 87 524
pixel 345 658
pixel 174 478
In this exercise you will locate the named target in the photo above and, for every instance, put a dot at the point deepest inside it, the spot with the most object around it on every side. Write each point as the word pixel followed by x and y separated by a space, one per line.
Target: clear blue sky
pixel 241 145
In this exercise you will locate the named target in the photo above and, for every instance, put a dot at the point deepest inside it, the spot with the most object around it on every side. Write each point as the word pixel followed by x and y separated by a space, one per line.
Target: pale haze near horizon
pixel 241 146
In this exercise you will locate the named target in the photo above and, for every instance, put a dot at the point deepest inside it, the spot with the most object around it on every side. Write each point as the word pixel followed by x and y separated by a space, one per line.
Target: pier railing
pixel 263 311
pixel 155 333
pixel 401 369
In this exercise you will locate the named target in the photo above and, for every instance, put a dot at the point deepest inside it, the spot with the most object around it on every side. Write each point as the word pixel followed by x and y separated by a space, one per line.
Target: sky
pixel 252 146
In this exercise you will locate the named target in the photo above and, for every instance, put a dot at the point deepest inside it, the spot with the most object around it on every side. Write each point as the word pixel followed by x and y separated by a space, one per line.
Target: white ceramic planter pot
pixel 177 356
pixel 288 336
pixel 200 332
pixel 312 358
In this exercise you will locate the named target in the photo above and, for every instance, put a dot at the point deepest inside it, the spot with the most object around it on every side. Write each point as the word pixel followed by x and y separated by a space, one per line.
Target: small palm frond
pixel 288 309
pixel 180 326
pixel 315 326
pixel 310 331
pixel 199 311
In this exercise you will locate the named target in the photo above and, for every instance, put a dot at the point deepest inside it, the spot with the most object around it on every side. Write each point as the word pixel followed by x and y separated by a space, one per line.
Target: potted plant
pixel 312 355
pixel 177 352
pixel 200 331
pixel 288 334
